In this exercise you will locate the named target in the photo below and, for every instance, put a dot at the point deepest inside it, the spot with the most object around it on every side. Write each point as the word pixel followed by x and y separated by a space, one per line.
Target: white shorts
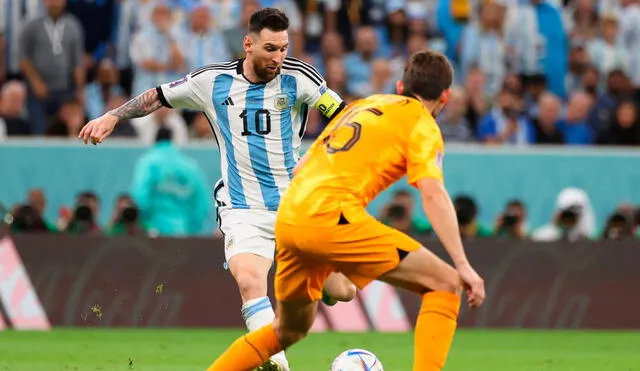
pixel 245 230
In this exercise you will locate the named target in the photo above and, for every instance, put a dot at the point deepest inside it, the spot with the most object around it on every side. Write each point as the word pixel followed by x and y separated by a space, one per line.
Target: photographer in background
pixel 619 226
pixel 512 223
pixel 467 211
pixel 398 213
pixel 574 219
pixel 26 219
pixel 84 217
pixel 126 218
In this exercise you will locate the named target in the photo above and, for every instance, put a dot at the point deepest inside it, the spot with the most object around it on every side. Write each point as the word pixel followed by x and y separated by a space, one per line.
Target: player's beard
pixel 265 74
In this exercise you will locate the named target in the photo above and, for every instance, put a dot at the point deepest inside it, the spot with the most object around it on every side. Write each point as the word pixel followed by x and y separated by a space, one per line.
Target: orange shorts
pixel 362 251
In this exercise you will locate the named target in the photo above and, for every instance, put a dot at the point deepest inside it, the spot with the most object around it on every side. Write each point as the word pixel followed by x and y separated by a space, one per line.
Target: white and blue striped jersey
pixel 258 127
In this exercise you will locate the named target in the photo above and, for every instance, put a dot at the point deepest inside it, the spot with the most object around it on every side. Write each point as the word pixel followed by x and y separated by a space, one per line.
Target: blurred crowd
pixel 573 220
pixel 527 71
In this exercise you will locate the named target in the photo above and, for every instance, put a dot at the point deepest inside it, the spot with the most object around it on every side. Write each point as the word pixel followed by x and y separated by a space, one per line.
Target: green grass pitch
pixel 184 350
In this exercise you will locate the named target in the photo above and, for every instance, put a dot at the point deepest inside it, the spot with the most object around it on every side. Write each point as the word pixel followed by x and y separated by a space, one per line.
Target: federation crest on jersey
pixel 281 101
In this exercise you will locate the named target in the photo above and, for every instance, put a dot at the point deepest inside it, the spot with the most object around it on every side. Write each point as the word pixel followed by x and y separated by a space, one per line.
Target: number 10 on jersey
pixel 260 120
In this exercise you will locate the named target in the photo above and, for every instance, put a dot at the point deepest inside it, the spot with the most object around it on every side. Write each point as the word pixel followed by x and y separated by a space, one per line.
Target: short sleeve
pixel 313 90
pixel 425 153
pixel 182 93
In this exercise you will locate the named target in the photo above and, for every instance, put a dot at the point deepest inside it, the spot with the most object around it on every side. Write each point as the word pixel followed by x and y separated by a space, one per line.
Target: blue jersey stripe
pixel 289 87
pixel 257 147
pixel 221 89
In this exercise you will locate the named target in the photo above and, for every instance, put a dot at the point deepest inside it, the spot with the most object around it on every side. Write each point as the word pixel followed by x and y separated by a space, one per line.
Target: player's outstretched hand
pixel 97 130
pixel 474 284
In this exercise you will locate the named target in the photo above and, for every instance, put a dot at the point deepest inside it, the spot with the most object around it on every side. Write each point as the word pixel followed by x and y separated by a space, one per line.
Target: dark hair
pixel 164 134
pixel 270 18
pixel 88 195
pixel 427 74
pixel 466 209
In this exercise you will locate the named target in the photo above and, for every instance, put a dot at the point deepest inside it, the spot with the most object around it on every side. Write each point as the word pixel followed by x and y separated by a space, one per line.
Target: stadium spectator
pixel 573 219
pixel 147 127
pixel 25 219
pixel 52 57
pixel 618 88
pixel 69 121
pixel 605 53
pixel 624 128
pixel 14 15
pixel 482 45
pixel 535 35
pixel 12 110
pixel 629 37
pixel 467 213
pixel 200 128
pixel 582 20
pixel 331 46
pixel 453 122
pixel 620 225
pixel 399 214
pixel 512 223
pixel 38 200
pixel 84 218
pixel 233 27
pixel 358 63
pixel 155 51
pixel 574 127
pixel 546 123
pixel 126 218
pixel 535 86
pixel 201 41
pixel 98 22
pixel 170 190
pixel 479 103
pixel 506 123
pixel 578 64
pixel 98 93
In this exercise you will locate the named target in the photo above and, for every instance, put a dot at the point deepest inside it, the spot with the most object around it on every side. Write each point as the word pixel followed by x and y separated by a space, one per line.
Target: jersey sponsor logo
pixel 178 82
pixel 281 102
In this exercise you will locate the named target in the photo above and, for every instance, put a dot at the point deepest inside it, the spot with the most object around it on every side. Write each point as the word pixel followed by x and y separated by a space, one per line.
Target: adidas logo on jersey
pixel 228 102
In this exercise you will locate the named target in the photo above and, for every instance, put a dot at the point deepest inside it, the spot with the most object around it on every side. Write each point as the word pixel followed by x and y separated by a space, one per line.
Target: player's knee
pixel 450 283
pixel 346 291
pixel 251 282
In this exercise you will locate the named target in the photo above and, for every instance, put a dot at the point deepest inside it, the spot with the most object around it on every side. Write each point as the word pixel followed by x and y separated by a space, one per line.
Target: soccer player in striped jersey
pixel 257 107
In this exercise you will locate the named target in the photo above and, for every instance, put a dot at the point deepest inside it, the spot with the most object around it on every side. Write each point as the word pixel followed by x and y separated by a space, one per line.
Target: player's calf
pixel 293 321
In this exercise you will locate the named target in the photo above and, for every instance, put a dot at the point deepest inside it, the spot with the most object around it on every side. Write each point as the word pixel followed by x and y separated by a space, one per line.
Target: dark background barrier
pixel 106 281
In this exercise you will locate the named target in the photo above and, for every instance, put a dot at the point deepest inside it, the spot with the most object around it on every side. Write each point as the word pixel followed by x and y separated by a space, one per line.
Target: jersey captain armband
pixel 329 103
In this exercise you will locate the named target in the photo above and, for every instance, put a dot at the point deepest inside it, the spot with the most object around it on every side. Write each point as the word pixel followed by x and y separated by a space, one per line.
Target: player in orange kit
pixel 322 224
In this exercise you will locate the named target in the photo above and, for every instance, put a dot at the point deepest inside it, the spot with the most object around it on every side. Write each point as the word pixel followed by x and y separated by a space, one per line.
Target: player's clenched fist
pixel 98 129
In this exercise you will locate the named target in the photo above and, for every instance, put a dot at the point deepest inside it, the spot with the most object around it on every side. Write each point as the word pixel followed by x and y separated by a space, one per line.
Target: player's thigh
pixel 365 250
pixel 421 271
pixel 298 277
pixel 247 232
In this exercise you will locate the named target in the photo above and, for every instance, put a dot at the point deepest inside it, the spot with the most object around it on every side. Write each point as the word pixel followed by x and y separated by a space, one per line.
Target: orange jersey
pixel 371 144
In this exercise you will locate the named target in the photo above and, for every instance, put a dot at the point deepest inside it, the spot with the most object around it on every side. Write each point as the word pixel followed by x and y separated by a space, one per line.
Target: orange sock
pixel 249 351
pixel 435 328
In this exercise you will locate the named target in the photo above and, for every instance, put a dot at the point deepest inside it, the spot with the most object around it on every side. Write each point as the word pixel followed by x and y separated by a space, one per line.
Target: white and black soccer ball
pixel 356 360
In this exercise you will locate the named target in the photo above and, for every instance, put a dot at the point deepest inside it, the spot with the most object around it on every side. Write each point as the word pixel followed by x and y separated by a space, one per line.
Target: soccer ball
pixel 356 360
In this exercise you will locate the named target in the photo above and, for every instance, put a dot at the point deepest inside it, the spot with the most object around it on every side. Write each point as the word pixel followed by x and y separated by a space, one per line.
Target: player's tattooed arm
pixel 139 106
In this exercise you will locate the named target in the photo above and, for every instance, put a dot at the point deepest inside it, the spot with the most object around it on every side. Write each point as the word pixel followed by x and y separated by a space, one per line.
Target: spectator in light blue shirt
pixel 155 52
pixel 201 42
pixel 170 190
pixel 98 92
pixel 359 62
pixel 506 123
